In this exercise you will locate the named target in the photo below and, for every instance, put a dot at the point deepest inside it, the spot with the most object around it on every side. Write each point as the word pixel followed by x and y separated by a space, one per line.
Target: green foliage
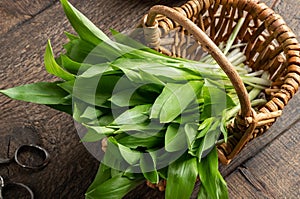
pixel 175 138
pixel 213 185
pixel 40 93
pixel 52 67
pixel 112 188
pixel 182 176
pixel 84 27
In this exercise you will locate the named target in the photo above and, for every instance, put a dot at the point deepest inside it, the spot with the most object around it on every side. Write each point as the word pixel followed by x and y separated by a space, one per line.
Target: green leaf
pixel 163 173
pixel 129 155
pixel 112 157
pixel 182 176
pixel 175 139
pixel 70 65
pixel 205 126
pixel 114 188
pixel 82 51
pixel 106 119
pixel 205 123
pixel 52 67
pixel 150 90
pixel 135 115
pixel 78 108
pixel 70 36
pixel 78 50
pixel 94 91
pixel 131 68
pixel 170 103
pixel 101 129
pixel 95 70
pixel 132 75
pixel 233 35
pixel 151 127
pixel 215 101
pixel 149 78
pixel 67 86
pixel 223 125
pixel 168 74
pixel 157 70
pixel 203 194
pixel 40 93
pixel 128 97
pixel 91 113
pixel 209 140
pixel 63 108
pixel 84 27
pixel 189 115
pixel 84 113
pixel 92 136
pixel 135 49
pixel 115 172
pixel 191 132
pixel 102 175
pixel 213 184
pixel 148 167
pixel 198 144
pixel 143 140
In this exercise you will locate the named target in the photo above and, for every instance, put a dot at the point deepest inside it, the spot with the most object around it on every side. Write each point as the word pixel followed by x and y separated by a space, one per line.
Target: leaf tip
pixel 64 2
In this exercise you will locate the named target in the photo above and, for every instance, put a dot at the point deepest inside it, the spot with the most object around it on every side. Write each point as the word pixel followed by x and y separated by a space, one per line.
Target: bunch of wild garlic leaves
pixel 161 116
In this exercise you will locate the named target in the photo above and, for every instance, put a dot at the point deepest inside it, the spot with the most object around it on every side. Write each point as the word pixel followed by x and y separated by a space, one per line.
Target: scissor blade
pixel 5 161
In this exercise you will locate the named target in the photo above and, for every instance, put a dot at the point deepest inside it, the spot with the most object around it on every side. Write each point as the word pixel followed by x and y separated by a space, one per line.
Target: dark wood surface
pixel 267 168
pixel 14 13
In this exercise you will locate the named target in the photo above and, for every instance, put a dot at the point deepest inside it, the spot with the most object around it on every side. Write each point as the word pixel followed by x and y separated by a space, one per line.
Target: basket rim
pixel 272 22
pixel 279 31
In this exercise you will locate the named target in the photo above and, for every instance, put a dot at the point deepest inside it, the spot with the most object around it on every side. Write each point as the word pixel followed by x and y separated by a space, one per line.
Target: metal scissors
pixel 16 158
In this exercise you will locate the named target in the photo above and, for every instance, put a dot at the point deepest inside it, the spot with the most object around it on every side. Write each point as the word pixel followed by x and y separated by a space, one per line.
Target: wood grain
pixel 14 12
pixel 72 168
pixel 273 173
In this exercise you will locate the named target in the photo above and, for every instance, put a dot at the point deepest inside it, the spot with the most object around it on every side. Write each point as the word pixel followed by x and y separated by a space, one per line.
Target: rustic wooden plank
pixel 273 173
pixel 55 130
pixel 13 12
pixel 239 187
pixel 9 20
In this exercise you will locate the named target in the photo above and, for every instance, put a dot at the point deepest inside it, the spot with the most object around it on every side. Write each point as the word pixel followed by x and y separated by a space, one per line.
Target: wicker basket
pixel 270 45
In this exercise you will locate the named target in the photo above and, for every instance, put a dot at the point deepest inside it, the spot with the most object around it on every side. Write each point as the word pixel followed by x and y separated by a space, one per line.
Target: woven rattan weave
pixel 270 45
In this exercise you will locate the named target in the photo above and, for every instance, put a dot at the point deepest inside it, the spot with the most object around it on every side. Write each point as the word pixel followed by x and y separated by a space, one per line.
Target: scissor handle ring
pixel 17 184
pixel 35 147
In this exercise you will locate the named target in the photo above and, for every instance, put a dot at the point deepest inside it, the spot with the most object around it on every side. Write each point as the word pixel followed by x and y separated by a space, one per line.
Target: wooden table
pixel 267 168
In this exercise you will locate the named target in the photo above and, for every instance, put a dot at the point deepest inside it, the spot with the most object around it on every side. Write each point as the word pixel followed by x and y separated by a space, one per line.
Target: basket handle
pixel 212 49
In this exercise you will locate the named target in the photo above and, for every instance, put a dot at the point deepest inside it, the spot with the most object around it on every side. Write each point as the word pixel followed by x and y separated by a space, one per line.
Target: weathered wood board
pixel 268 162
pixel 14 12
pixel 273 173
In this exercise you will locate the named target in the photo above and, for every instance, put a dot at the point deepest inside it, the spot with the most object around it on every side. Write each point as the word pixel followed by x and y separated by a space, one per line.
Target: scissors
pixel 16 158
